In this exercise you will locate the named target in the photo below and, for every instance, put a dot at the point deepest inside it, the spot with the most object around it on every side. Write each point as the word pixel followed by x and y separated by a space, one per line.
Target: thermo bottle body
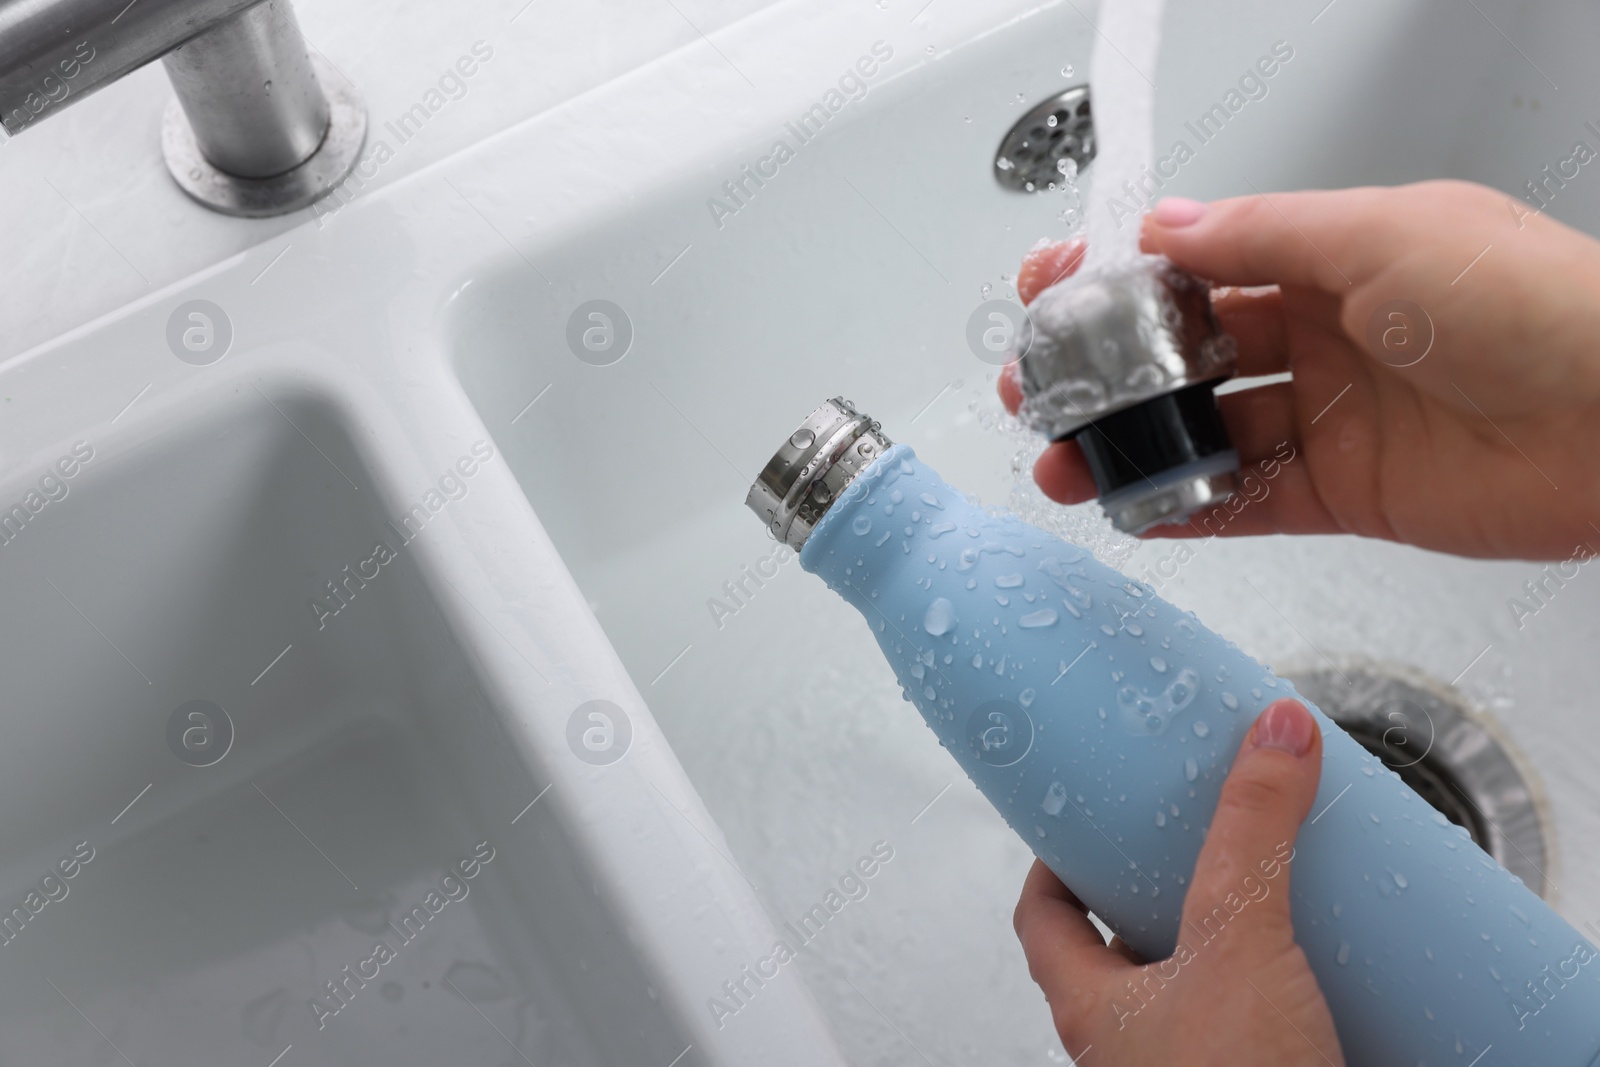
pixel 1101 721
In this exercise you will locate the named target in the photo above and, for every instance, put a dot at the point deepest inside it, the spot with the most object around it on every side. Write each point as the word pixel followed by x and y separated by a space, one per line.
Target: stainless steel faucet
pixel 260 127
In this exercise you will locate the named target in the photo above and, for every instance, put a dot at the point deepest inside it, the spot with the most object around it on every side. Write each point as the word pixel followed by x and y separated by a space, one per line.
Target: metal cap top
pixel 1114 336
pixel 809 471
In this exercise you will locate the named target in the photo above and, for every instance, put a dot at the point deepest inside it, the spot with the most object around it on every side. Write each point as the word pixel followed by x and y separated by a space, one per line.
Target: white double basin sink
pixel 297 637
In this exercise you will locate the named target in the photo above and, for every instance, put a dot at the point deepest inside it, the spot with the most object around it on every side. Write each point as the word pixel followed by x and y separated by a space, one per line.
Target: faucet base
pixel 280 194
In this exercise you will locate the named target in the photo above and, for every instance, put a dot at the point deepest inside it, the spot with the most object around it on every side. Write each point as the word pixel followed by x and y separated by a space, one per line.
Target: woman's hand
pixel 1244 998
pixel 1467 421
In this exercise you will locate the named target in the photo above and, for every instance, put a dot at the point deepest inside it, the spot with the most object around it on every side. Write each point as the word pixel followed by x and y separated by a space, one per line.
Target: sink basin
pixel 333 770
pixel 854 270
pixel 422 551
pixel 257 778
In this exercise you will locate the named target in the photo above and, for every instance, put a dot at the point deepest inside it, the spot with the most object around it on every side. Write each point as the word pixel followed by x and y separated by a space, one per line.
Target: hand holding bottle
pixel 1246 999
pixel 1443 341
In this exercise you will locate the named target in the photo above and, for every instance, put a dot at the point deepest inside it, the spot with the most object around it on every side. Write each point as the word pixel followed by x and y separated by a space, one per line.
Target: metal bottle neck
pixel 805 476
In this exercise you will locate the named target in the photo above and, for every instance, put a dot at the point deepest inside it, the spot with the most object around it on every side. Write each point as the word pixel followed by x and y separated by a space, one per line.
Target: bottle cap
pixel 1124 358
pixel 810 469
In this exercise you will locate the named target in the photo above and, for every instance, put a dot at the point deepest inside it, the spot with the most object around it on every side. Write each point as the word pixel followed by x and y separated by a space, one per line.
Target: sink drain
pixel 1032 155
pixel 1440 746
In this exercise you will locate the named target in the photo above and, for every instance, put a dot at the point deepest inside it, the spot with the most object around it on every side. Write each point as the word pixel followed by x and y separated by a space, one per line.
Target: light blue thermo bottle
pixel 1101 720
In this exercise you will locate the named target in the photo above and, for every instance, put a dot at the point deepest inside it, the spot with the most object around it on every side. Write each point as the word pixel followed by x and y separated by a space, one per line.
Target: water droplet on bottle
pixel 1343 956
pixel 1008 581
pixel 1191 769
pixel 1230 701
pixel 1158 664
pixel 1055 799
pixel 1036 619
pixel 1183 689
pixel 802 438
pixel 1200 728
pixel 1025 698
pixel 1161 818
pixel 861 525
pixel 1068 71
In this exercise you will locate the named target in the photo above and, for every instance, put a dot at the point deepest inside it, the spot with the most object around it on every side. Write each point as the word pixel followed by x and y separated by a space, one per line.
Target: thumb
pixel 1245 859
pixel 1320 240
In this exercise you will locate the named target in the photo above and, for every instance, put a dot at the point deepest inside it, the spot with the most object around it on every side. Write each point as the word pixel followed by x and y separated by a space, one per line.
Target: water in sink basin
pixel 225 904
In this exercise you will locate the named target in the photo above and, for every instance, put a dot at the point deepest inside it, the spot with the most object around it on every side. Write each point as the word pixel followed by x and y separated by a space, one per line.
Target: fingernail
pixel 1176 211
pixel 1287 726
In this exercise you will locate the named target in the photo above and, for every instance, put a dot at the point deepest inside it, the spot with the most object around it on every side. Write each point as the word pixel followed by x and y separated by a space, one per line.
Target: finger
pixel 1262 422
pixel 1254 318
pixel 1047 263
pixel 1066 954
pixel 1063 474
pixel 1010 388
pixel 1240 890
pixel 1326 240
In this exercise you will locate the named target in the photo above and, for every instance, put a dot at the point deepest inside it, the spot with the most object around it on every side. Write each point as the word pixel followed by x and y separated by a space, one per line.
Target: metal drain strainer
pixel 1440 746
pixel 1030 157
